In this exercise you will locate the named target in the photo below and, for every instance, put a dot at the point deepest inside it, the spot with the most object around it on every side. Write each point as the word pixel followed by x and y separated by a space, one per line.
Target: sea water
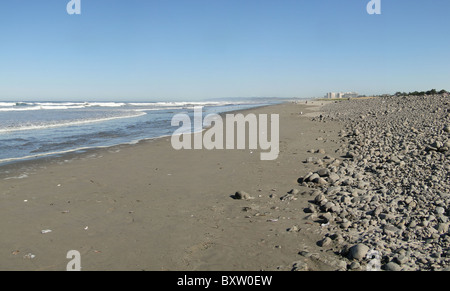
pixel 30 130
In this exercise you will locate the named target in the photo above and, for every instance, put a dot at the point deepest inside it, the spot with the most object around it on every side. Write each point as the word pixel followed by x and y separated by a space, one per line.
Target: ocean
pixel 32 130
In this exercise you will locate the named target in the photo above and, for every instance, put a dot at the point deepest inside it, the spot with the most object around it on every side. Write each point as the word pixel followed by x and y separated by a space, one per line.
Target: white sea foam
pixel 27 106
pixel 30 106
pixel 71 123
pixel 104 104
pixel 7 104
pixel 8 160
pixel 182 104
pixel 29 157
pixel 20 108
pixel 23 176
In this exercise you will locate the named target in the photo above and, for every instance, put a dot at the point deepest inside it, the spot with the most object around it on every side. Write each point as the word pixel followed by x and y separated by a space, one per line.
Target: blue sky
pixel 201 49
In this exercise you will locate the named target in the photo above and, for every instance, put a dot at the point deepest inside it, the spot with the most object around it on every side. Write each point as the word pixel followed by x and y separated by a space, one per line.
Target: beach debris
pixel 242 195
pixel 294 228
pixel 288 197
pixel 45 231
pixel 29 256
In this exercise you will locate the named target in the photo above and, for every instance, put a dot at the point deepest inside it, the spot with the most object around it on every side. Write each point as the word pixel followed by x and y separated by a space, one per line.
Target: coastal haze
pixel 132 135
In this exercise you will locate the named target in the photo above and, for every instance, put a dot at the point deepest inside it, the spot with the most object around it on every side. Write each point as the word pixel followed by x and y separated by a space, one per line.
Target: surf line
pixel 235 125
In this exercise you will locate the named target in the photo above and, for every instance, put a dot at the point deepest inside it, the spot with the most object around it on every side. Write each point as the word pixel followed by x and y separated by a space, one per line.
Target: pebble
pixel 29 256
pixel 391 266
pixel 358 252
pixel 325 242
pixel 242 195
pixel 440 210
pixel 355 266
pixel 386 189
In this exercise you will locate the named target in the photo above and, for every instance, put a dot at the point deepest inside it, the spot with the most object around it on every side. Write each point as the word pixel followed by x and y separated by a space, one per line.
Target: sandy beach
pixel 150 207
pixel 116 152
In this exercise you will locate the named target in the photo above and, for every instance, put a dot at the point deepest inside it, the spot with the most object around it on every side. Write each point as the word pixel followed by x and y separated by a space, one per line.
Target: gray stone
pixel 440 210
pixel 442 228
pixel 346 224
pixel 320 181
pixel 242 195
pixel 333 190
pixel 300 266
pixel 401 259
pixel 355 266
pixel 391 230
pixel 313 177
pixel 323 172
pixel 319 198
pixel 327 216
pixel 325 242
pixel 294 191
pixel 391 266
pixel 328 206
pixel 311 160
pixel 396 177
pixel 358 252
pixel 333 177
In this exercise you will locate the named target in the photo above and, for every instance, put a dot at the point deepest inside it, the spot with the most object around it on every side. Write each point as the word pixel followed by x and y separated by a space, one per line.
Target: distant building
pixel 339 95
pixel 350 95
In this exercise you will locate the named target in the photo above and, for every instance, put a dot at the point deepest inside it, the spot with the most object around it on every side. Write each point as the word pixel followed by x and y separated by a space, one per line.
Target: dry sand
pixel 150 207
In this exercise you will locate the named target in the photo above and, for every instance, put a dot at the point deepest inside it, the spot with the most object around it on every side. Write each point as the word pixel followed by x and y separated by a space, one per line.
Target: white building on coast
pixel 339 95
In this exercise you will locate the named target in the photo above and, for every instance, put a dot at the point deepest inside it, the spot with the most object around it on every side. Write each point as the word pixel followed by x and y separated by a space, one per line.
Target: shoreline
pixel 149 207
pixel 14 166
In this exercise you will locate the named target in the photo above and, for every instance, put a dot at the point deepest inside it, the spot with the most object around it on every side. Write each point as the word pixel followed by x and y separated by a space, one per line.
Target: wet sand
pixel 150 207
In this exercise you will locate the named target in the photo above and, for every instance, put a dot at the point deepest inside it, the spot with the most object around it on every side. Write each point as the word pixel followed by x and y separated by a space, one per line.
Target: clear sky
pixel 200 49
